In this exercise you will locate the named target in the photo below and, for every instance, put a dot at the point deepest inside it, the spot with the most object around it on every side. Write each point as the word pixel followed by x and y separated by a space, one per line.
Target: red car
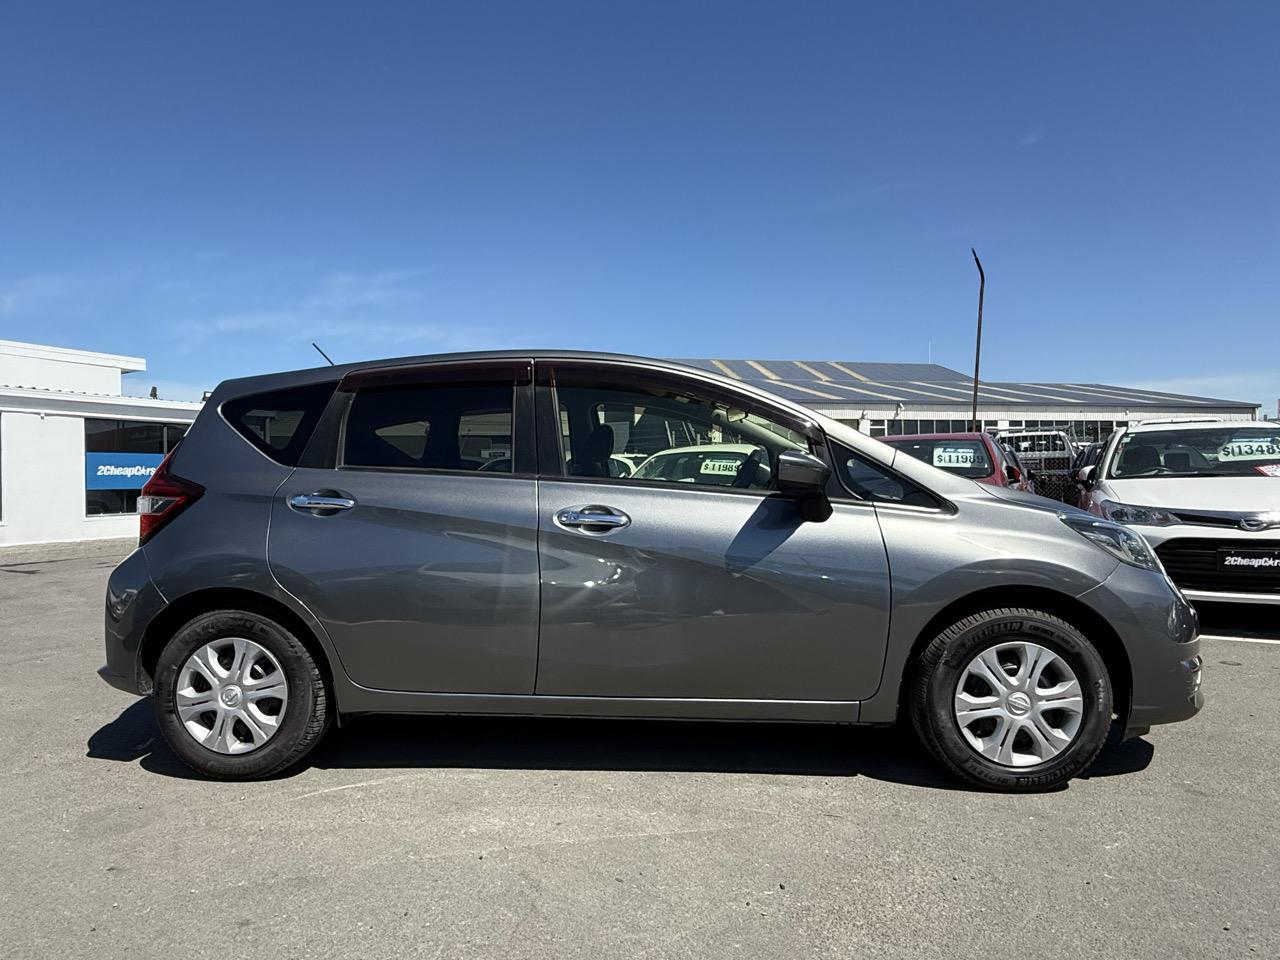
pixel 978 456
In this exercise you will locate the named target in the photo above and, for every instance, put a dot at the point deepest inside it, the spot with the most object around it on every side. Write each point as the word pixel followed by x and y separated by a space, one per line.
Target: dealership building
pixel 883 399
pixel 74 451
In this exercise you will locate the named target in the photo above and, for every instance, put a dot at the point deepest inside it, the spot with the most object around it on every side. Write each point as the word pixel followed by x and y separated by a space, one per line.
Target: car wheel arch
pixel 186 608
pixel 1094 627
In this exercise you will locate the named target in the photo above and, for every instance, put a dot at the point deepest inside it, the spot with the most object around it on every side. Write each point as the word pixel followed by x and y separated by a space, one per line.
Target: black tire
pixel 940 667
pixel 306 716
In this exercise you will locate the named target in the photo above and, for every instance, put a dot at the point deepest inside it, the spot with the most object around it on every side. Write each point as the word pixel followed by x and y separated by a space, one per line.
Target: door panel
pixel 707 594
pixel 428 583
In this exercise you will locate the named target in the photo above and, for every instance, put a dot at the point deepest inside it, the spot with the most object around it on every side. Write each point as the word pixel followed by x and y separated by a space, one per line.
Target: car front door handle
pixel 315 501
pixel 601 518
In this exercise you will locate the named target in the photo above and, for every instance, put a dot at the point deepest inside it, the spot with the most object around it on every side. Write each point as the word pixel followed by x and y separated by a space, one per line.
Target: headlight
pixel 1124 544
pixel 1128 513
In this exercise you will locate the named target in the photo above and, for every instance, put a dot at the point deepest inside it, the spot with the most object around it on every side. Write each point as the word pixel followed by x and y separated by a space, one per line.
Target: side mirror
pixel 804 477
pixel 1085 476
pixel 1012 473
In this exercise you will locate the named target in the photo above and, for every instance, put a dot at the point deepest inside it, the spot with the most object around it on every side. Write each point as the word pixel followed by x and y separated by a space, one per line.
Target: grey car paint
pixel 709 593
pixel 430 583
pixel 596 657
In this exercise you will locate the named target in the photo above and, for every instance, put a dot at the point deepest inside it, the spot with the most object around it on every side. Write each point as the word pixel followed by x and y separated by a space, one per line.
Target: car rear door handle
pixel 602 518
pixel 315 501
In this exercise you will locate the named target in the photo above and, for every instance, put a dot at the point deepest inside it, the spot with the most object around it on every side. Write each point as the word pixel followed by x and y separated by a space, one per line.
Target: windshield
pixel 966 458
pixel 1224 452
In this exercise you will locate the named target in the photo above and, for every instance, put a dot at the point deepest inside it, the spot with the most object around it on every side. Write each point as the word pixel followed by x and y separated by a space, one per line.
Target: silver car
pixel 1206 495
pixel 325 543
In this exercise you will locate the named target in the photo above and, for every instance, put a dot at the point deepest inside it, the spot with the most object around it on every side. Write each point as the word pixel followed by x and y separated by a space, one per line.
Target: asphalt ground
pixel 457 837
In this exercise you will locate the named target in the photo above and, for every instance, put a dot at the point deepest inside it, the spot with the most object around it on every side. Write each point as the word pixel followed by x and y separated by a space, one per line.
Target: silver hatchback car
pixel 448 534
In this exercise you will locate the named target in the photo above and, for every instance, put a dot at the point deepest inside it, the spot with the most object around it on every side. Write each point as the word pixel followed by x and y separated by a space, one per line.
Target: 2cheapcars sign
pixel 119 471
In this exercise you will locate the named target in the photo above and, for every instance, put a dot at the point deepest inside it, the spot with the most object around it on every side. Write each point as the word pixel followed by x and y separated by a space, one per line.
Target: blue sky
pixel 213 186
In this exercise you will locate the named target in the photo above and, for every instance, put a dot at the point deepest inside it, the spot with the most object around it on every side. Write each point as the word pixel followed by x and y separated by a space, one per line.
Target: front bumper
pixel 1189 553
pixel 132 602
pixel 1160 633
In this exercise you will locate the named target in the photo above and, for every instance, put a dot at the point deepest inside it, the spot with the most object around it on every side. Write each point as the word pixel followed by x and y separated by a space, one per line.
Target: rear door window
pixel 442 426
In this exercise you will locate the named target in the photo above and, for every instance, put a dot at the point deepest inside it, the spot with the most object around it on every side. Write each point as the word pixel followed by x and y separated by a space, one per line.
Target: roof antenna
pixel 321 352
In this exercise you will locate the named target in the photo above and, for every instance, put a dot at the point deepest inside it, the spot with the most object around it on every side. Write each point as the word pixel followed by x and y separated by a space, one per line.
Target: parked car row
pixel 457 534
pixel 1204 493
pixel 976 456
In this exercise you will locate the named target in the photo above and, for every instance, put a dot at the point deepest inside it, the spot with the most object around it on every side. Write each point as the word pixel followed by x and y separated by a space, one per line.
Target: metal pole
pixel 977 353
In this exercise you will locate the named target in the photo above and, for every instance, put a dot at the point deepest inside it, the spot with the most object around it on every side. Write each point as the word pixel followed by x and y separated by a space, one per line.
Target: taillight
pixel 163 497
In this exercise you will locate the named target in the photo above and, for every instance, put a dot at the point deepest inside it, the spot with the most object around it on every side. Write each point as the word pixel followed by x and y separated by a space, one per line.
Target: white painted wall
pixel 49 374
pixel 42 482
pixel 65 369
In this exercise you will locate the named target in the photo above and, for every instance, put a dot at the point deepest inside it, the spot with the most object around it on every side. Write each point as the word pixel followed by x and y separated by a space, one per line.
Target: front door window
pixel 658 434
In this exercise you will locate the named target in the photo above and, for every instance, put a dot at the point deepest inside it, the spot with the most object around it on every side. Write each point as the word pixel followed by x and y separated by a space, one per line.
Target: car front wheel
pixel 238 697
pixel 1012 699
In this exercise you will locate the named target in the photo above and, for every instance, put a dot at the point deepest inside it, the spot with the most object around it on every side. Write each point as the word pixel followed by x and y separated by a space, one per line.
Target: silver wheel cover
pixel 1018 704
pixel 231 695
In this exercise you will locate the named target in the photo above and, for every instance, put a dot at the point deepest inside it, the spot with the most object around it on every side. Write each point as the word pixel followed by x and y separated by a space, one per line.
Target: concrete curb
pixel 116 548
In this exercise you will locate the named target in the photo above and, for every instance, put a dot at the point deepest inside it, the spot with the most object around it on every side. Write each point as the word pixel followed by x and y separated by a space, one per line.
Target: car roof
pixel 341 369
pixel 1164 426
pixel 308 375
pixel 932 436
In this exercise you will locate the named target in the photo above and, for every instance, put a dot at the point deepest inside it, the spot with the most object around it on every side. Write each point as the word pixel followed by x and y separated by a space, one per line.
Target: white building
pixel 74 451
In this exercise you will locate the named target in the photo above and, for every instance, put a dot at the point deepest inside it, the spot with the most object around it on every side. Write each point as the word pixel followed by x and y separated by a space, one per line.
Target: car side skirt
pixel 358 700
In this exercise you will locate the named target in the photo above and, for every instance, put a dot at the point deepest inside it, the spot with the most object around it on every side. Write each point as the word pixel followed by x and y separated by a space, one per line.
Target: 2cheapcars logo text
pixel 111 470
pixel 1251 561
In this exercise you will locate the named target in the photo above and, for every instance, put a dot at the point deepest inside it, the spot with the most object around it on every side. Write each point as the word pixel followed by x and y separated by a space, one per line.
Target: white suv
pixel 1206 494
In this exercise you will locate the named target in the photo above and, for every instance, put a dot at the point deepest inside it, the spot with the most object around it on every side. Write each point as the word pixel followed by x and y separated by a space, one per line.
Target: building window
pixel 119 457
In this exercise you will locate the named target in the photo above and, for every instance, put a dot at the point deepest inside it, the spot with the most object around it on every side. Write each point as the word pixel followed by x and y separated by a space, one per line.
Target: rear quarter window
pixel 279 422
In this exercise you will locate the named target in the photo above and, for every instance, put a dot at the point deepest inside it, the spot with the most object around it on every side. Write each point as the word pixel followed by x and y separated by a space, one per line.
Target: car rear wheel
pixel 1012 699
pixel 238 697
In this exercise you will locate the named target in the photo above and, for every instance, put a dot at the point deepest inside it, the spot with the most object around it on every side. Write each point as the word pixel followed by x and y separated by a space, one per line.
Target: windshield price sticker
pixel 954 456
pixel 719 467
pixel 1236 450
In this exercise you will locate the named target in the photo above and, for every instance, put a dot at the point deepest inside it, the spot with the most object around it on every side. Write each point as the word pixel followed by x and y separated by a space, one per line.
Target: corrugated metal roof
pixel 832 370
pixel 822 383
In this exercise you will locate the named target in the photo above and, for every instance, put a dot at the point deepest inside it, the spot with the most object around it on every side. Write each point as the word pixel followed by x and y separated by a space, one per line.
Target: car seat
pixel 594 461
pixel 1139 460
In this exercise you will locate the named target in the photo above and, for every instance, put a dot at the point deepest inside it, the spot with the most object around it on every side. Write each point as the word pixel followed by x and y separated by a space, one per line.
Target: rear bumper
pixel 132 602
pixel 127 684
pixel 1160 633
